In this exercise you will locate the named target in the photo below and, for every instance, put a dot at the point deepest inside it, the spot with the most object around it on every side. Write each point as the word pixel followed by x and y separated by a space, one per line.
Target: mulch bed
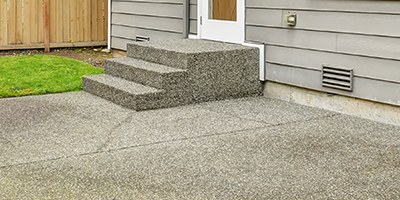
pixel 93 56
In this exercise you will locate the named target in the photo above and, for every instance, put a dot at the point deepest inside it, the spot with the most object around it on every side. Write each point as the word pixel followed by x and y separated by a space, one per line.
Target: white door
pixel 222 20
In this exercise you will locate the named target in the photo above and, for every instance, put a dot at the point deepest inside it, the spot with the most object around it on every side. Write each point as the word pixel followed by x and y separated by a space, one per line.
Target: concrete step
pixel 147 73
pixel 181 53
pixel 125 93
pixel 161 74
pixel 215 70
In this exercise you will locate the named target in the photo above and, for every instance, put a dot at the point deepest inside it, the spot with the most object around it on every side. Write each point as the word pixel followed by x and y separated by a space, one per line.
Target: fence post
pixel 46 26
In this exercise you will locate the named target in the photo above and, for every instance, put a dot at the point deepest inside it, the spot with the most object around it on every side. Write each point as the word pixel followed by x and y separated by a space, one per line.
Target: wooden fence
pixel 71 23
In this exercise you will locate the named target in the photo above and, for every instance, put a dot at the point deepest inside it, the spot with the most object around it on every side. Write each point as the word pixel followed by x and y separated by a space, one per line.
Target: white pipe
pixel 261 47
pixel 109 25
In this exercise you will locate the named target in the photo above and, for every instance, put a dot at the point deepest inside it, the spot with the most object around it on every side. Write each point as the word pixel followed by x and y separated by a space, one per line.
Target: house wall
pixel 363 35
pixel 193 17
pixel 157 19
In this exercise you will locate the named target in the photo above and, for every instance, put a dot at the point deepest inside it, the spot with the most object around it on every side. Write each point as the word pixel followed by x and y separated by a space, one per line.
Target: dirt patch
pixel 93 56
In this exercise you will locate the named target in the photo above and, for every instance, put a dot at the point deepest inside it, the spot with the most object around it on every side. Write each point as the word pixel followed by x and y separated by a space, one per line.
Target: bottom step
pixel 125 93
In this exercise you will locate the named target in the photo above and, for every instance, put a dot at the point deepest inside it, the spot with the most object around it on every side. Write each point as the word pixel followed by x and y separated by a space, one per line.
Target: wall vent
pixel 140 38
pixel 337 77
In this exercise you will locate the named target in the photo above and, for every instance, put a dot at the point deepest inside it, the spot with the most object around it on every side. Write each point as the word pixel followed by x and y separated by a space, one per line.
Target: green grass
pixel 42 74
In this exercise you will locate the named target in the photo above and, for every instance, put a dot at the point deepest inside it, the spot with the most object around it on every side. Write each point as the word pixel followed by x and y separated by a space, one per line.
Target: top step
pixel 178 53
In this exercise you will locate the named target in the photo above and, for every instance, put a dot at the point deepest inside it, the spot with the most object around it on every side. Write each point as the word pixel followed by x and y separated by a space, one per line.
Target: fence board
pixel 86 20
pixel 12 21
pixel 53 21
pixel 94 19
pixel 66 21
pixel 3 22
pixel 72 22
pixel 105 19
pixel 34 19
pixel 100 24
pixel 40 21
pixel 19 31
pixel 26 25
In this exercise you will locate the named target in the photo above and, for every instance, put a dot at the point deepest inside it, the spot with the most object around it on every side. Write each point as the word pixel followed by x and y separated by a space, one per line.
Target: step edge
pixel 148 89
pixel 168 69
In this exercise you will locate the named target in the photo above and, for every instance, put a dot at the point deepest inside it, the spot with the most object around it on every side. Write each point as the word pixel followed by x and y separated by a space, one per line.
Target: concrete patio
pixel 79 146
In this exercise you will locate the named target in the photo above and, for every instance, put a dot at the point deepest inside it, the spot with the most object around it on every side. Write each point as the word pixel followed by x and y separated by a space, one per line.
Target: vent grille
pixel 140 38
pixel 337 77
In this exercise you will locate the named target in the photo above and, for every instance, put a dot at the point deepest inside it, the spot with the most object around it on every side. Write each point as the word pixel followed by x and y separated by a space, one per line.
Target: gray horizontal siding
pixel 375 90
pixel 311 59
pixel 124 33
pixel 193 17
pixel 157 19
pixel 359 23
pixel 366 45
pixel 363 35
pixel 152 9
pixel 339 6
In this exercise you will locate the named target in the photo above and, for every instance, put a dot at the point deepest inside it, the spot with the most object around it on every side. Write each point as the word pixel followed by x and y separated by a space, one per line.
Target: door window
pixel 223 10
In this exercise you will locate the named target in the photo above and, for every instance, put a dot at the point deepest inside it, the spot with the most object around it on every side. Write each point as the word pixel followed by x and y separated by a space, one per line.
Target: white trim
pixel 199 17
pixel 109 25
pixel 261 47
pixel 223 30
pixel 191 36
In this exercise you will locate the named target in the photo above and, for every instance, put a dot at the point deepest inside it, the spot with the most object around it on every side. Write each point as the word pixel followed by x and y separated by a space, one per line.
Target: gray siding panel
pixel 131 32
pixel 140 8
pixel 119 43
pixel 360 23
pixel 350 6
pixel 311 59
pixel 193 17
pixel 193 11
pixel 375 90
pixel 193 27
pixel 158 19
pixel 385 47
pixel 289 37
pixel 149 22
pixel 372 46
pixel 363 35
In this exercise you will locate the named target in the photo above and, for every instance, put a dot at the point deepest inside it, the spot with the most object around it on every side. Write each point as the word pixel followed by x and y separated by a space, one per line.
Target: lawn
pixel 42 74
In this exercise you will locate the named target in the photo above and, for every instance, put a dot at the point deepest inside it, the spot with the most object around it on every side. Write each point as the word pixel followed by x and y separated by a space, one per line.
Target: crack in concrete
pixel 100 149
pixel 130 147
pixel 109 138
pixel 264 122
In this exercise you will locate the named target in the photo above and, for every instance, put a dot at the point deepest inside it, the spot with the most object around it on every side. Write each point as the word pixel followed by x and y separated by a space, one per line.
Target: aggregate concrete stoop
pixel 170 73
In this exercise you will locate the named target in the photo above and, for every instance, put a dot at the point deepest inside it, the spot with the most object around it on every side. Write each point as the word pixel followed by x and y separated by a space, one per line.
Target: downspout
pixel 186 20
pixel 109 26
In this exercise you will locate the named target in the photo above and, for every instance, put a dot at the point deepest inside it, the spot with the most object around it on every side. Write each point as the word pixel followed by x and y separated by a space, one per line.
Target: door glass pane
pixel 223 10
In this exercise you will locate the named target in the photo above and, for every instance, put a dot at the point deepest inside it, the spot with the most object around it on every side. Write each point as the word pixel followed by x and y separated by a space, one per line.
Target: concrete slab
pixel 51 126
pixel 155 126
pixel 304 160
pixel 78 146
pixel 265 110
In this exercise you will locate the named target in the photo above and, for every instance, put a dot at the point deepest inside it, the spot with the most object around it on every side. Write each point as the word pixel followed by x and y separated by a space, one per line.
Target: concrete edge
pixel 375 111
